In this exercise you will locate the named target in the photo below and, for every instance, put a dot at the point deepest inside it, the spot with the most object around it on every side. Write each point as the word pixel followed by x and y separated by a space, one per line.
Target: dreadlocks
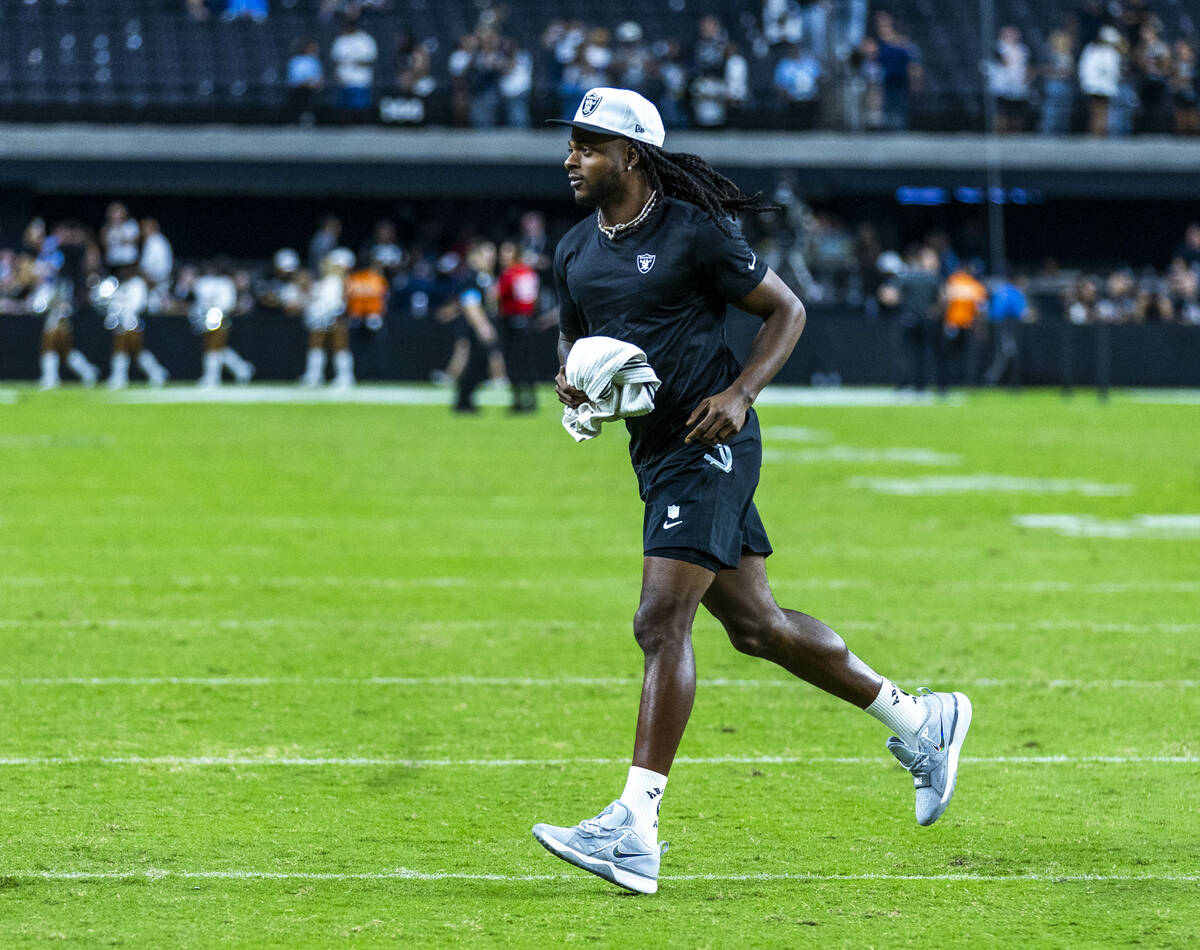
pixel 690 178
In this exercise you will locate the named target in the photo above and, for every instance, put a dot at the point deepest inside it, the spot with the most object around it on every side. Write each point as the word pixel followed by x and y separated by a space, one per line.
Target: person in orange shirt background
pixel 965 298
pixel 366 303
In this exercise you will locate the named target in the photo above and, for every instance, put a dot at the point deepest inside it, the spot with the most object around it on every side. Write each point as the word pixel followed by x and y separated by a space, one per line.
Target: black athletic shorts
pixel 700 502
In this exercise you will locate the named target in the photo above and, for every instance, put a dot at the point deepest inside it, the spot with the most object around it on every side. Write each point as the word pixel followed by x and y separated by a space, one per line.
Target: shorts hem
pixel 690 555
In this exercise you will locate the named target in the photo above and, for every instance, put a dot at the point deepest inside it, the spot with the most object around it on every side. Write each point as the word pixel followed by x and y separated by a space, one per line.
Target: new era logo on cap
pixel 620 112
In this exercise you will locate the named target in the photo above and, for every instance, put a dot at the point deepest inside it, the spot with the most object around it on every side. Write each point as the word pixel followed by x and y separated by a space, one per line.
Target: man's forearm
pixel 773 344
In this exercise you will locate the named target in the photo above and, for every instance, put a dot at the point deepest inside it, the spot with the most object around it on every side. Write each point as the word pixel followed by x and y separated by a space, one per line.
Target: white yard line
pixel 407 874
pixel 240 623
pixel 426 395
pixel 1140 527
pixel 856 455
pixel 528 583
pixel 1164 397
pixel 987 484
pixel 552 682
pixel 200 761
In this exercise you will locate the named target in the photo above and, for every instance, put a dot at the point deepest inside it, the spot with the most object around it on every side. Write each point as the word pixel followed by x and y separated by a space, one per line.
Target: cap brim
pixel 571 123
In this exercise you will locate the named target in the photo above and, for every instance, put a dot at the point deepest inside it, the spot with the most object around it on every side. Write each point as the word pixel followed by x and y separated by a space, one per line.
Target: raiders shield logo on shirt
pixel 590 101
pixel 645 262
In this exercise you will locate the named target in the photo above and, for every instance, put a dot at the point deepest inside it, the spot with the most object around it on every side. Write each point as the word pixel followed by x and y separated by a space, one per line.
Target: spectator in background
pixel 849 27
pixel 280 290
pixel 305 79
pixel 708 58
pixel 197 10
pixel 354 54
pixel 119 237
pixel 862 98
pixel 516 84
pixel 255 10
pixel 631 63
pixel 1189 248
pixel 964 297
pixel 517 292
pixel 1099 75
pixel 1006 309
pixel 737 77
pixel 157 260
pixel 328 236
pixel 1081 301
pixel 534 243
pixel 919 315
pixel 709 96
pixel 1183 291
pixel 458 66
pixel 414 76
pixel 673 75
pixel 899 62
pixel 1008 81
pixel 1058 85
pixel 797 83
pixel 1152 57
pixel 483 79
pixel 384 252
pixel 813 27
pixel 1185 89
pixel 366 304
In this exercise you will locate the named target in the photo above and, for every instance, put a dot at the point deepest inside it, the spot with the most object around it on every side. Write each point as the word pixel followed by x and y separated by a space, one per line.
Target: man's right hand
pixel 568 395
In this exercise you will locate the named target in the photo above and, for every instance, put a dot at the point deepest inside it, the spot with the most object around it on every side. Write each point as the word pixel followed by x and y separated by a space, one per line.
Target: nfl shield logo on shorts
pixel 645 262
pixel 590 101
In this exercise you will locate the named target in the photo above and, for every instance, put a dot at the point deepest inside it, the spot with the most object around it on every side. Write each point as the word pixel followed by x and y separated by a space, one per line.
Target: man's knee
pixel 757 635
pixel 661 621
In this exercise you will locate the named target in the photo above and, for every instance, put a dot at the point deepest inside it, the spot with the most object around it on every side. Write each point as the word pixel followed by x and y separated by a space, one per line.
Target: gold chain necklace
pixel 612 233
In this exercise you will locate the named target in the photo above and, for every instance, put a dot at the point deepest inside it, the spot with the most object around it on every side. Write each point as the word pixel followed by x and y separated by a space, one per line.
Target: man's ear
pixel 631 157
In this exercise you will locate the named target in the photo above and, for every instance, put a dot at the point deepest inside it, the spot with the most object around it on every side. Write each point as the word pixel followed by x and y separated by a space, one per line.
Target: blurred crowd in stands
pixel 1108 69
pixel 1115 59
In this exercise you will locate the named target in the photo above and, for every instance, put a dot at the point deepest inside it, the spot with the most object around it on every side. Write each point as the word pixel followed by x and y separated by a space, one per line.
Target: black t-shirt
pixel 663 288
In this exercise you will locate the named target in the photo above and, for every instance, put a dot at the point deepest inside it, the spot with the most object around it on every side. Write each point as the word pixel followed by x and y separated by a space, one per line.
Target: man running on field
pixel 656 266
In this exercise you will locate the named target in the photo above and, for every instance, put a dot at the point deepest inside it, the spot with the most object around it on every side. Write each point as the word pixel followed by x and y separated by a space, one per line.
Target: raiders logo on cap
pixel 590 101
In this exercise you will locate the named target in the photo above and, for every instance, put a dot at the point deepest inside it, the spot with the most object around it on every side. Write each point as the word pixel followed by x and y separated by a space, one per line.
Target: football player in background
pixel 52 294
pixel 214 301
pixel 324 316
pixel 281 290
pixel 123 300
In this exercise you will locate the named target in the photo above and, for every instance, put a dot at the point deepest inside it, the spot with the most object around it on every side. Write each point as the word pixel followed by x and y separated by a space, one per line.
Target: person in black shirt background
pixel 656 266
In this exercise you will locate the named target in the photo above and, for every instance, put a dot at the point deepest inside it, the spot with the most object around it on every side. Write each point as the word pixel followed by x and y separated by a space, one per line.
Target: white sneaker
pixel 934 761
pixel 607 846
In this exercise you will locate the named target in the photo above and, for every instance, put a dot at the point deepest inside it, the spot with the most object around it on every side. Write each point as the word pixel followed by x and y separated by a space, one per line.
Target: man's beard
pixel 603 189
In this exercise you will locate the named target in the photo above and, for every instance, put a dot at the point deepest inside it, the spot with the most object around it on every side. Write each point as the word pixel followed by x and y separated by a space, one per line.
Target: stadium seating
pixel 145 59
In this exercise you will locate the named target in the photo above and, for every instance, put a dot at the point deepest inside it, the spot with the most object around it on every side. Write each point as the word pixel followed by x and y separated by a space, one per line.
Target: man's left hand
pixel 718 418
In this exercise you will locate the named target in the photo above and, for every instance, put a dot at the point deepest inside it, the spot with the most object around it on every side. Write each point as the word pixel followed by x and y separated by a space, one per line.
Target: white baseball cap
pixel 620 112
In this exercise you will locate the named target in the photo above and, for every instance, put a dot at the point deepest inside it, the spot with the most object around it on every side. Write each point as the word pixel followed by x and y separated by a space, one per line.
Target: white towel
pixel 617 379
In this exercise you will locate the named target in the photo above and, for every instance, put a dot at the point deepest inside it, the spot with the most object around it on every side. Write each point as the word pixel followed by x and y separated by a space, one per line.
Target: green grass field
pixel 292 675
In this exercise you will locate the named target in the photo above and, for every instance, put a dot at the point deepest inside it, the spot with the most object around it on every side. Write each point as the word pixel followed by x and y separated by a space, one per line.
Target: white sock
pixel 212 369
pixel 50 368
pixel 343 362
pixel 152 368
pixel 120 371
pixel 643 797
pixel 314 370
pixel 81 365
pixel 901 712
pixel 241 369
